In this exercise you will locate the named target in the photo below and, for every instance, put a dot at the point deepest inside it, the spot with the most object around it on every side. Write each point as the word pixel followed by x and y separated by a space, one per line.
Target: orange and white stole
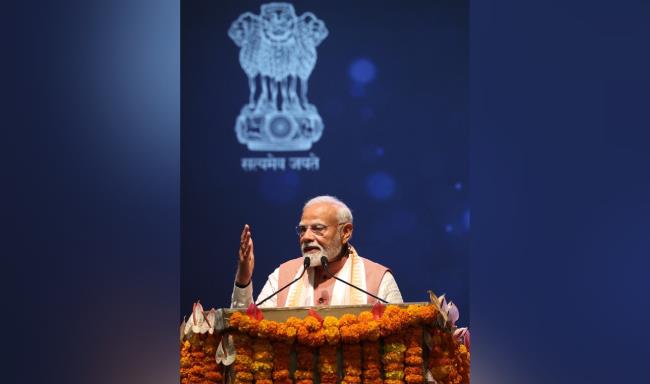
pixel 302 292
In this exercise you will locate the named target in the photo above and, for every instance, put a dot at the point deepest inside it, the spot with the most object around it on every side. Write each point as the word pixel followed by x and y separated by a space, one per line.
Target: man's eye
pixel 318 227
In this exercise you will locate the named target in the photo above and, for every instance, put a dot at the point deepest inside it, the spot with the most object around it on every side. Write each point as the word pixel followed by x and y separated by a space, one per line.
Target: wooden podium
pixel 409 343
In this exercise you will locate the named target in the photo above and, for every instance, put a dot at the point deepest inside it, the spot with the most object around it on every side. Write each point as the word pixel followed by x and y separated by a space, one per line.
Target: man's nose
pixel 307 236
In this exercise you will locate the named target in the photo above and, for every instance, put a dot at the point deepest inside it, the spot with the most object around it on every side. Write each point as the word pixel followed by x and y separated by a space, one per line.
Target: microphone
pixel 325 263
pixel 305 264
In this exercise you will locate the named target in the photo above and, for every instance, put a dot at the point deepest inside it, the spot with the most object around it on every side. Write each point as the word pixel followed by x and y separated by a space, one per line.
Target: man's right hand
pixel 246 258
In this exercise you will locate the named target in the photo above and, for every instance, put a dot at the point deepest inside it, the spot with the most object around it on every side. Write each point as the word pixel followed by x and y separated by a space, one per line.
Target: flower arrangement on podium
pixel 198 349
pixel 394 344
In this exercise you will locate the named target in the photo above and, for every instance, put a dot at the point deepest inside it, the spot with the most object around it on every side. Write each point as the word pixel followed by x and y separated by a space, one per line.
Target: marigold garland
pixel 402 358
pixel 370 328
pixel 310 332
pixel 462 363
pixel 351 363
pixel 197 362
pixel 393 359
pixel 393 320
pixel 327 367
pixel 281 362
pixel 331 327
pixel 243 365
pixel 371 362
pixel 413 362
pixel 304 365
pixel 348 329
pixel 449 360
pixel 262 361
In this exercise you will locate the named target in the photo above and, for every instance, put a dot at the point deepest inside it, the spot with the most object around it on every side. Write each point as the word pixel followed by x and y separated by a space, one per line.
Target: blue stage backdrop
pixel 383 127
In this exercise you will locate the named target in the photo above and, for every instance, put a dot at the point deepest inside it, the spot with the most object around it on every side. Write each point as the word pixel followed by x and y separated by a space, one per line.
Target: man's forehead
pixel 319 213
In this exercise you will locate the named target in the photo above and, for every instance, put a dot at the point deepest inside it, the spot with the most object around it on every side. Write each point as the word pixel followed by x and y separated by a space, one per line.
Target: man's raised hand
pixel 246 258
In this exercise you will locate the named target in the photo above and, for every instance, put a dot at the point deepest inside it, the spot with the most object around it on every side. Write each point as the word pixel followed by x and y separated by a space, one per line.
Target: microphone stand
pixel 305 264
pixel 325 263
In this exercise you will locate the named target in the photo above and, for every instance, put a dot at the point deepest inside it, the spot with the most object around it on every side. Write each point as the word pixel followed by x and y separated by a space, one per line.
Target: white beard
pixel 315 260
pixel 314 257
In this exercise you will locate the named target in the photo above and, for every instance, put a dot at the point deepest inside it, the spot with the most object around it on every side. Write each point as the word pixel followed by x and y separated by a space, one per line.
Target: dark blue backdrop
pixel 559 191
pixel 391 87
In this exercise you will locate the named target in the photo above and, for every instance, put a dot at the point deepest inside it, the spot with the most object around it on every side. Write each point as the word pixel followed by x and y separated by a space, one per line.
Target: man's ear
pixel 347 233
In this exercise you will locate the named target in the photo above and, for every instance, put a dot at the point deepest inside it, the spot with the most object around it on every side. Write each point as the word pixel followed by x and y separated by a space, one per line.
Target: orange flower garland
pixel 448 361
pixel 304 365
pixel 351 329
pixel 186 361
pixel 285 332
pixel 262 361
pixel 393 319
pixel 399 328
pixel 421 313
pixel 393 359
pixel 267 329
pixel 243 323
pixel 212 371
pixel 198 364
pixel 281 360
pixel 371 362
pixel 370 328
pixel 462 363
pixel 243 365
pixel 310 332
pixel 351 364
pixel 413 371
pixel 327 364
pixel 331 326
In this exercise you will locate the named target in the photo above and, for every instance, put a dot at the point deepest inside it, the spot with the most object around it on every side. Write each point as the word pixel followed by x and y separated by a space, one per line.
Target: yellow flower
pixel 330 321
pixel 395 347
pixel 395 375
pixel 311 323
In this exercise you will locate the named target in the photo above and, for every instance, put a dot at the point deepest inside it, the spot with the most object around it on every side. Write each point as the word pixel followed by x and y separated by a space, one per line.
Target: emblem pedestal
pixel 294 130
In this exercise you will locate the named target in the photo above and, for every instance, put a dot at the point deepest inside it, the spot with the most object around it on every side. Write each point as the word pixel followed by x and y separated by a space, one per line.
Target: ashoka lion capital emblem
pixel 278 53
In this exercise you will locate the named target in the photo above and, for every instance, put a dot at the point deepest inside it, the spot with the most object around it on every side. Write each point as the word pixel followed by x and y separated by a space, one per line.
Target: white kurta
pixel 302 292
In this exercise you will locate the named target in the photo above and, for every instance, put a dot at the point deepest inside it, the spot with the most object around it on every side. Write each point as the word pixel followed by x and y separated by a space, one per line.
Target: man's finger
pixel 244 232
pixel 243 250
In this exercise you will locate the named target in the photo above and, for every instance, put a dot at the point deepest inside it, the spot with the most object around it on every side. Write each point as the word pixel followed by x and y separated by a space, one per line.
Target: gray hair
pixel 343 213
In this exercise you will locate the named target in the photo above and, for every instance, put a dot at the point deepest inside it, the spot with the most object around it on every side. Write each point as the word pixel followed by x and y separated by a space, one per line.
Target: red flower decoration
pixel 315 314
pixel 254 313
pixel 378 310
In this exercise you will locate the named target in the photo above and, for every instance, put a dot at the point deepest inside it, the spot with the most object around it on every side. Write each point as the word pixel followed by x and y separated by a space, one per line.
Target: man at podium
pixel 325 229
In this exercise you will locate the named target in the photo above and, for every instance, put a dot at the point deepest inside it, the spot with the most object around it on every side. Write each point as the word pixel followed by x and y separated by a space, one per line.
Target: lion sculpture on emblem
pixel 278 52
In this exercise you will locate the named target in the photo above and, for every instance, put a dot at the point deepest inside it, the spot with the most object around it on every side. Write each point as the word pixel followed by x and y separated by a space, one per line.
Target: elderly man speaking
pixel 325 229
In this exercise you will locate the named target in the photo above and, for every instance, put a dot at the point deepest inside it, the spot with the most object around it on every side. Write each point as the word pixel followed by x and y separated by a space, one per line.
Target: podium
pixel 411 343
